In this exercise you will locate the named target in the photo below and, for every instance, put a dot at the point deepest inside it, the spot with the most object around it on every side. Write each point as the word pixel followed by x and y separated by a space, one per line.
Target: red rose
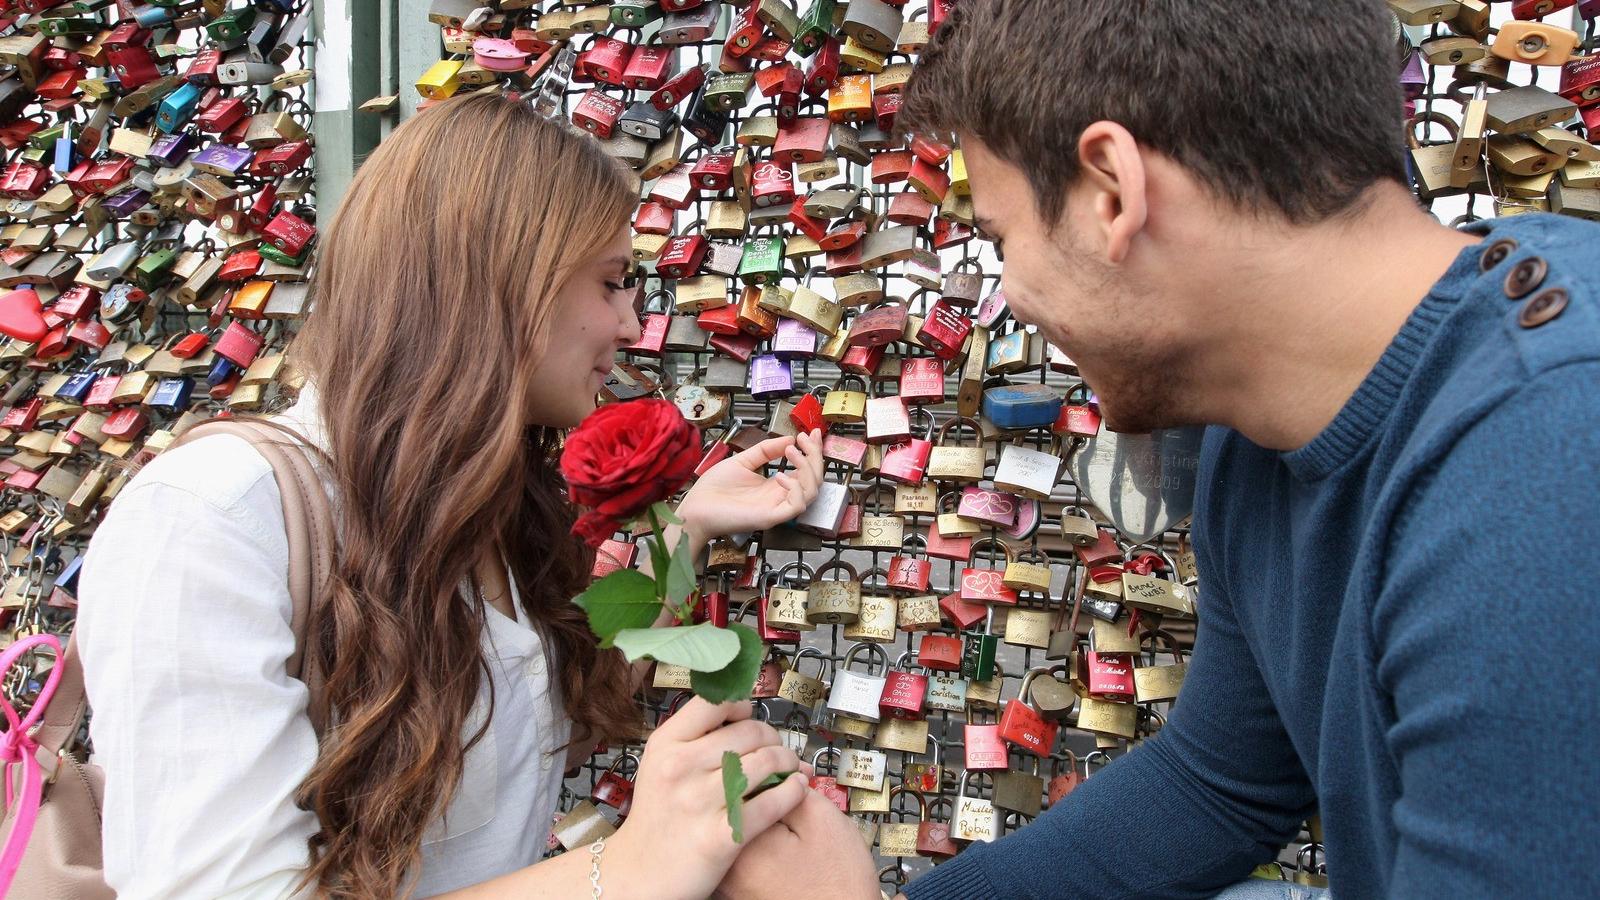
pixel 625 457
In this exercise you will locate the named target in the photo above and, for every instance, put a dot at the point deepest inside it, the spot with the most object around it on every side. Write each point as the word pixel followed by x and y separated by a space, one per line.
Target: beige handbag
pixel 61 857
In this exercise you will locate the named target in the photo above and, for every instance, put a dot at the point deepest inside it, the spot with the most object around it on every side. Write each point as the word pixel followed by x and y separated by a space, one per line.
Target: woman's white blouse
pixel 184 628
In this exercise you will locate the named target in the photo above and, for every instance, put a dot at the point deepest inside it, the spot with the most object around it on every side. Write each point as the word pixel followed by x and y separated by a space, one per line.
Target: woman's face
pixel 594 319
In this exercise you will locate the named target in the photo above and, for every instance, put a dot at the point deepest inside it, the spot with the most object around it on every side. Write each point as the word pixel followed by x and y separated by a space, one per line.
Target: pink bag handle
pixel 19 747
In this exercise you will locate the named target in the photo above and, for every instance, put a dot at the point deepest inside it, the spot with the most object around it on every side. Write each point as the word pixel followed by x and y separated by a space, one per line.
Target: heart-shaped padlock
pixel 1143 483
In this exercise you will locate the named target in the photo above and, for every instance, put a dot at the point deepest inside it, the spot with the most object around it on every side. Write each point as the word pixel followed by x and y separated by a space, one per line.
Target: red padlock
pixel 612 555
pixel 712 607
pixel 126 423
pixel 99 399
pixel 811 227
pixel 986 752
pixel 713 171
pixel 986 585
pixel 906 462
pixel 191 345
pixel 288 232
pixel 648 67
pixel 23 416
pixel 1102 551
pixel 907 574
pixel 1023 727
pixel 863 361
pixel 986 507
pixel 682 256
pixel 1108 676
pixel 944 330
pixel 903 694
pixel 597 112
pixel 613 788
pixel 653 218
pixel 823 73
pixel 803 141
pixel 933 836
pixel 772 184
pixel 922 379
pixel 678 87
pixel 941 652
pixel 846 451
pixel 963 613
pixel 1059 786
pixel 767 680
pixel 605 60
pixel 807 415
pixel 239 345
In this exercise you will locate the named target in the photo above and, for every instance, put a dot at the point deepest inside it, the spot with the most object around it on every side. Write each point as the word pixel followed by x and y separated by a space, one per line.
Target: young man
pixel 1204 204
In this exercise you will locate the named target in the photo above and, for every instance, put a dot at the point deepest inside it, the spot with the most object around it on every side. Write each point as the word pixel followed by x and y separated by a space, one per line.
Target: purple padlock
pixel 770 377
pixel 993 311
pixel 123 203
pixel 222 160
pixel 794 338
pixel 171 149
pixel 1412 78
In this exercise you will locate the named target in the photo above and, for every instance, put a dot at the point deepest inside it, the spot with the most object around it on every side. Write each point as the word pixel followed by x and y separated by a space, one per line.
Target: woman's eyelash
pixel 626 284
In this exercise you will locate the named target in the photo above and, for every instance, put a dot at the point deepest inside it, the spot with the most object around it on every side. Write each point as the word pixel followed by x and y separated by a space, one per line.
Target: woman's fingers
pixel 740 737
pixel 769 807
pixel 767 451
pixel 698 717
pixel 765 761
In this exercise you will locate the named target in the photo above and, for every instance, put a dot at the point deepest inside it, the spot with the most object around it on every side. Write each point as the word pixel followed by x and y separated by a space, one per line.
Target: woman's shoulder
pixel 221 469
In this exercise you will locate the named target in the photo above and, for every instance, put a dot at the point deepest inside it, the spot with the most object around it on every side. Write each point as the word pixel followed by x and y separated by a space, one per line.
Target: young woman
pixel 469 299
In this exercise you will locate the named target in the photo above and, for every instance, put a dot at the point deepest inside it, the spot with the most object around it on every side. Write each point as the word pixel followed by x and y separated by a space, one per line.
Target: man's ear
pixel 1113 172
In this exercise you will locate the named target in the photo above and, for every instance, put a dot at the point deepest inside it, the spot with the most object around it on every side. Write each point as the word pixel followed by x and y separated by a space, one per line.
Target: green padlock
pixel 153 269
pixel 634 13
pixel 232 24
pixel 762 262
pixel 977 655
pixel 726 92
pixel 816 26
pixel 272 253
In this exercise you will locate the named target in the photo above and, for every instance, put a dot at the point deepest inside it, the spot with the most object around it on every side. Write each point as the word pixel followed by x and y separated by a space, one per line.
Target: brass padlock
pixel 1153 683
pixel 1028 627
pixel 877 611
pixel 864 769
pixel 846 405
pixel 1020 792
pixel 957 463
pixel 703 408
pixel 834 602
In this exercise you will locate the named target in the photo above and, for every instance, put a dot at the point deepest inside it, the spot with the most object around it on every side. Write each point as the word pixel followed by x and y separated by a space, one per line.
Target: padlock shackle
pixel 955 421
pixel 872 649
pixel 972 556
pixel 823 751
pixel 822 659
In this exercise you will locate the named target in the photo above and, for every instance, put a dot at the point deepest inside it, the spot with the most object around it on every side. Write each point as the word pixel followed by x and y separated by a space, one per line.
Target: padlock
pixel 951 536
pixel 862 769
pixel 1028 627
pixel 701 407
pixel 880 324
pixel 857 695
pixel 800 689
pixel 834 602
pixel 978 652
pixel 906 462
pixel 828 785
pixel 1019 792
pixel 904 692
pixel 1052 697
pixel 582 826
pixel 785 604
pixel 888 420
pixel 980 585
pixel 1019 407
pixel 1062 783
pixel 1028 571
pixel 1027 472
pixel 922 380
pixel 933 835
pixel 988 508
pixel 1155 594
pixel 957 463
pixel 1022 726
pixel 846 405
pixel 1153 683
pixel 825 514
pixel 876 620
pixel 1108 719
pixel 983 747
pixel 770 377
pixel 899 839
pixel 986 694
pixel 614 788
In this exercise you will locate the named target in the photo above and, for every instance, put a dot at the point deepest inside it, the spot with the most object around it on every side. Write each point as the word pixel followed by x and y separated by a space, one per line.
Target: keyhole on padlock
pixel 699 408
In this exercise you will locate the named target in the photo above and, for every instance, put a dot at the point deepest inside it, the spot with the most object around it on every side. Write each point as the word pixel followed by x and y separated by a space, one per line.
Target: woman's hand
pixel 812 832
pixel 733 496
pixel 676 841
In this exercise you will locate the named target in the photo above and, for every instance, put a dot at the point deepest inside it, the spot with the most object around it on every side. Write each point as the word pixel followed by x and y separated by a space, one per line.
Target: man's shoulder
pixel 1548 285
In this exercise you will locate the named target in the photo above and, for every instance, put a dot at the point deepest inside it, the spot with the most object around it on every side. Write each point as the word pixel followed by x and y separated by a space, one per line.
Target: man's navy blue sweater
pixel 1398 626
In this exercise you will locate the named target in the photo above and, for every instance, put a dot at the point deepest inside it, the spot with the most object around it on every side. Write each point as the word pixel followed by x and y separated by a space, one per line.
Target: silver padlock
pixel 826 512
pixel 855 694
pixel 1026 471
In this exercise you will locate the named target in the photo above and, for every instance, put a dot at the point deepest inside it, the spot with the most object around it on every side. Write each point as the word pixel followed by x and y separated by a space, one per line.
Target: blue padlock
pixel 78 387
pixel 221 370
pixel 66 154
pixel 177 107
pixel 1020 406
pixel 68 579
pixel 150 16
pixel 172 394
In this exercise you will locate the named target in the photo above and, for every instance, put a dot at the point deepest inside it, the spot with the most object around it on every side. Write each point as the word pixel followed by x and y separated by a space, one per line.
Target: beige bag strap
pixel 309 527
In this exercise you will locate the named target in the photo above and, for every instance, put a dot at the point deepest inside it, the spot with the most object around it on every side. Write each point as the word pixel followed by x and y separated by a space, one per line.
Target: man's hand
pixel 813 832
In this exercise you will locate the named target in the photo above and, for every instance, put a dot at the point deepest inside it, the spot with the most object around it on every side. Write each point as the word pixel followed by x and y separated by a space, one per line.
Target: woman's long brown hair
pixel 436 287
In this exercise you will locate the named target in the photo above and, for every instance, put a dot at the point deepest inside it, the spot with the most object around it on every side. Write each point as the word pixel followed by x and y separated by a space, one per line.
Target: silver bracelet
pixel 595 849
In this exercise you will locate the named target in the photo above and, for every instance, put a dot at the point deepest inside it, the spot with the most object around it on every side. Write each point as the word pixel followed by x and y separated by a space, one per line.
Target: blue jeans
pixel 1261 889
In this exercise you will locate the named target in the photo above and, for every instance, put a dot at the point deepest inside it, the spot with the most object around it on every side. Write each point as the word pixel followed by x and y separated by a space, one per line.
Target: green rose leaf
pixel 681 580
pixel 735 680
pixel 622 600
pixel 702 648
pixel 733 785
pixel 665 515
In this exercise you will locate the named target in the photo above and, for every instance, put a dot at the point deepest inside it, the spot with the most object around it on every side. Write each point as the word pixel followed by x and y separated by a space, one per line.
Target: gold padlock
pixel 844 405
pixel 1028 627
pixel 876 620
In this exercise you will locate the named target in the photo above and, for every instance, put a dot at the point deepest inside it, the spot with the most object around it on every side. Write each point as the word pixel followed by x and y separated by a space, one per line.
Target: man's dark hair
pixel 1276 105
